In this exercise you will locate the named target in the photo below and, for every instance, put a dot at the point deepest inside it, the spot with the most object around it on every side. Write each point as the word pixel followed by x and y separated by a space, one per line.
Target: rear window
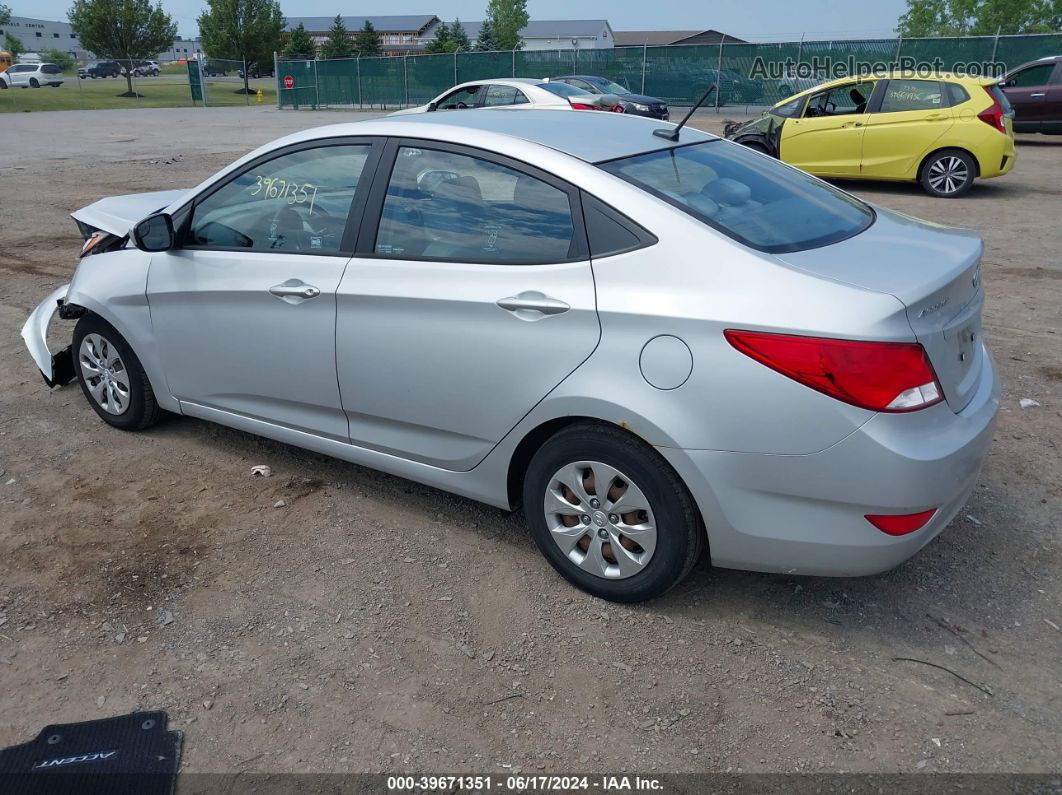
pixel 51 69
pixel 747 196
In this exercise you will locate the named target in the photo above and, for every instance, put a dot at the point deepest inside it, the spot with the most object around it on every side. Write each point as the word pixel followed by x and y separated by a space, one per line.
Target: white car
pixel 33 75
pixel 528 92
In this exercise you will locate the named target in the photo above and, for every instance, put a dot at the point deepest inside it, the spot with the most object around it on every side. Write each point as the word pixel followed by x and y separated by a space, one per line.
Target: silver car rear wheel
pixel 105 373
pixel 600 519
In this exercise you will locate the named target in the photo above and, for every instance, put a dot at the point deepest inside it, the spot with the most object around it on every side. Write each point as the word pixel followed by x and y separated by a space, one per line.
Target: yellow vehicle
pixel 942 130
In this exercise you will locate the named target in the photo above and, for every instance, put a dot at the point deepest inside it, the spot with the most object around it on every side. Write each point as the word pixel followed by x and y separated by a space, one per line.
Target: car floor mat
pixel 112 756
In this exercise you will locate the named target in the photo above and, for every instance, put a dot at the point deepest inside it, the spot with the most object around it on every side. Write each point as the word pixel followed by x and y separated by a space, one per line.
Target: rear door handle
pixel 294 291
pixel 533 305
pixel 1037 95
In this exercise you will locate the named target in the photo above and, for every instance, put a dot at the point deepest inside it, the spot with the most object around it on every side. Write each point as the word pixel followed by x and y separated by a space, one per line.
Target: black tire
pixel 755 147
pixel 34 83
pixel 680 534
pixel 937 170
pixel 142 410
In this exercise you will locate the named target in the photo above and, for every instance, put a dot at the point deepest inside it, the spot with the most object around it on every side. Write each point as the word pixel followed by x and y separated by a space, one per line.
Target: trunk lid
pixel 935 271
pixel 117 214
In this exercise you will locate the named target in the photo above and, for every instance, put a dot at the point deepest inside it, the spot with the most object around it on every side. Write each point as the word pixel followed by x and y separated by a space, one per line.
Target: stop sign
pixel 289 81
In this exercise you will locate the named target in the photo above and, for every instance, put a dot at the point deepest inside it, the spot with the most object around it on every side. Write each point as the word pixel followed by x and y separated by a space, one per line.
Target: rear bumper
pixel 999 159
pixel 804 514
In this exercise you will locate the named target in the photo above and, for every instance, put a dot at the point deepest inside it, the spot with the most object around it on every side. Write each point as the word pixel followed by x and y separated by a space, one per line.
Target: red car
pixel 1035 91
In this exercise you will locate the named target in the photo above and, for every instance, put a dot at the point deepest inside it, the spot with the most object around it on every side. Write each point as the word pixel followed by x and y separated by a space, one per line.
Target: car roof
pixel 593 136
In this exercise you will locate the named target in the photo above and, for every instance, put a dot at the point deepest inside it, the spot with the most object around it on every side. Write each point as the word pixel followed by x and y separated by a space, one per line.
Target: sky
pixel 755 20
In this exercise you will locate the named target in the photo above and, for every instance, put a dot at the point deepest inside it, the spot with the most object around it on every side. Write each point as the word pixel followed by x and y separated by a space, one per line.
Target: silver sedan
pixel 655 346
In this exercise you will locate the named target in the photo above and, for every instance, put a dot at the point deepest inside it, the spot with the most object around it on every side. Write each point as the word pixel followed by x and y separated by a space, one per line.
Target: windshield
pixel 563 89
pixel 611 88
pixel 750 197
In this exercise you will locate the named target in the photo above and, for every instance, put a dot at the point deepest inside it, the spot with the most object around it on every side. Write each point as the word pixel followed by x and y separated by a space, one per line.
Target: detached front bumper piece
pixel 58 368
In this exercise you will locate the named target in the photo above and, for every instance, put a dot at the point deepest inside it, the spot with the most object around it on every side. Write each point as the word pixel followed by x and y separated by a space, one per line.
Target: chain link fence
pixel 155 84
pixel 744 74
pixel 219 82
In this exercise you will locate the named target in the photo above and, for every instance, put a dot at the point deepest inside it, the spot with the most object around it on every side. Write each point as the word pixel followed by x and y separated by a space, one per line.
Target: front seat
pixel 858 100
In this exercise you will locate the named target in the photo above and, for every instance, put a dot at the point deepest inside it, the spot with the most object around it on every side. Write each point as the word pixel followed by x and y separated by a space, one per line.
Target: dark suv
pixel 255 71
pixel 100 69
pixel 1035 91
pixel 635 104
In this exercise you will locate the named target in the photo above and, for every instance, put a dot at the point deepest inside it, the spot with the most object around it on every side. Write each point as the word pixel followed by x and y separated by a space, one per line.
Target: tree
pixel 338 43
pixel 979 17
pixel 485 41
pixel 5 14
pixel 63 60
pixel 442 41
pixel 507 18
pixel 300 44
pixel 123 30
pixel 460 36
pixel 14 45
pixel 242 30
pixel 367 41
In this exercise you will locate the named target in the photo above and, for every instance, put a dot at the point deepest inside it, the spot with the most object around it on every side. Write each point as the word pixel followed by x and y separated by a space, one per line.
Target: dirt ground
pixel 373 624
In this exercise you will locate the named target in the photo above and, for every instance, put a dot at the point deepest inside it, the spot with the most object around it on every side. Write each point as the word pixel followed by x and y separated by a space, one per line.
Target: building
pixel 37 35
pixel 553 34
pixel 660 38
pixel 399 35
pixel 181 50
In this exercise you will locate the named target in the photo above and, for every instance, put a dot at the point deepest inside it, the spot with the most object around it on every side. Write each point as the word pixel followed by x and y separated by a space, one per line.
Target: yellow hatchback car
pixel 942 131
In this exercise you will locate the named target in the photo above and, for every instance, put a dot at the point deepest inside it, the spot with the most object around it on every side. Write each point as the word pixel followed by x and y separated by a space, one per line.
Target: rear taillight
pixel 994 115
pixel 879 376
pixel 900 524
pixel 581 106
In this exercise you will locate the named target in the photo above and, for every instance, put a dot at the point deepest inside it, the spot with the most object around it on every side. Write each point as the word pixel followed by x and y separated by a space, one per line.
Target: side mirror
pixel 154 233
pixel 433 106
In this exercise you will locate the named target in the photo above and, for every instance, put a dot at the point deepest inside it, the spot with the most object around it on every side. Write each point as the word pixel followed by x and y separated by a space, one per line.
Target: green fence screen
pixel 744 74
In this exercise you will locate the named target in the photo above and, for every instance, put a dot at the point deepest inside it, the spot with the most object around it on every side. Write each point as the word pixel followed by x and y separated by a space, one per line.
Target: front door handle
pixel 533 305
pixel 294 291
pixel 1037 95
pixel 850 124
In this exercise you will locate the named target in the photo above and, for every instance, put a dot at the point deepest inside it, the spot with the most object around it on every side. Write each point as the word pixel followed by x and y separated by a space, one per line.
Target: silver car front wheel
pixel 111 376
pixel 600 519
pixel 105 373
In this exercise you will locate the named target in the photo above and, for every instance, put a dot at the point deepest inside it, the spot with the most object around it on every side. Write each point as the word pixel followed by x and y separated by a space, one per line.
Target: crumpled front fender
pixel 57 369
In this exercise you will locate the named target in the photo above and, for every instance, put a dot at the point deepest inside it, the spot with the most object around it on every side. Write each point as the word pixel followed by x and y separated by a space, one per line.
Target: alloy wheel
pixel 600 520
pixel 948 174
pixel 105 373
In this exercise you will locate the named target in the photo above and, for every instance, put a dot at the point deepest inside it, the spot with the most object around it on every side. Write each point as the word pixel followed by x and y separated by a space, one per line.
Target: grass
pixel 155 92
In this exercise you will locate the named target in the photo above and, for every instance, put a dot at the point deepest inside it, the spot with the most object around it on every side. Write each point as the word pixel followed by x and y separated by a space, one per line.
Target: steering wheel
pixel 297 241
pixel 460 105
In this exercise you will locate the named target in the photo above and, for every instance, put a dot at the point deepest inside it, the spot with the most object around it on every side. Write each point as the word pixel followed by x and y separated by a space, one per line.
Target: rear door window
pixel 503 95
pixel 902 95
pixel 755 200
pixel 443 205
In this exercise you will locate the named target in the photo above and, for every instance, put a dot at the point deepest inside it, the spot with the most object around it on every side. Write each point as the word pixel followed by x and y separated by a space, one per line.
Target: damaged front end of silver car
pixel 58 368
